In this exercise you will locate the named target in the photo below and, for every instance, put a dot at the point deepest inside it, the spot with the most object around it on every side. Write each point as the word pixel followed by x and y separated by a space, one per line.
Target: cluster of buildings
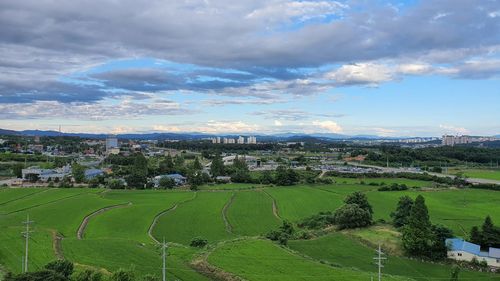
pixel 459 249
pixel 453 140
pixel 239 140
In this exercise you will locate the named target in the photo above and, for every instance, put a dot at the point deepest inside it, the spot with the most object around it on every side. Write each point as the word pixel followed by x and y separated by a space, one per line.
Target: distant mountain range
pixel 195 135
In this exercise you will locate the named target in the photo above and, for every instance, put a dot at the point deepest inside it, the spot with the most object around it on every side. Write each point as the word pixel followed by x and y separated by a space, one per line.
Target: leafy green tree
pixel 198 242
pixel 352 216
pixel 136 179
pixel 402 213
pixel 122 275
pixel 360 199
pixel 266 177
pixel 149 277
pixel 167 165
pixel 115 184
pixel 78 172
pixel 286 176
pixel 439 249
pixel 17 170
pixel 166 183
pixel 417 234
pixel 217 166
pixel 42 275
pixel 240 171
pixel 88 275
pixel 282 235
pixel 179 163
pixel 63 267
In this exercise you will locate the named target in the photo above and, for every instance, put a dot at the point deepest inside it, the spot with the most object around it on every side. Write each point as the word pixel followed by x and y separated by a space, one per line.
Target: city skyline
pixel 386 68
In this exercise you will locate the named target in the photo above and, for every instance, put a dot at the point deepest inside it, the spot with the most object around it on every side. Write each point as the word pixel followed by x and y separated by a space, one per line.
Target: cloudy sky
pixel 390 68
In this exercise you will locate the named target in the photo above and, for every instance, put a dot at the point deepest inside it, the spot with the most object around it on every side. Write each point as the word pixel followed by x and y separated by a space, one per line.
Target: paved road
pixel 402 170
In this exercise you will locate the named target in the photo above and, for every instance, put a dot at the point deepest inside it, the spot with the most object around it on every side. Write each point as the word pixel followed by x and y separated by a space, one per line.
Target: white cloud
pixel 278 123
pixel 361 73
pixel 330 126
pixel 449 129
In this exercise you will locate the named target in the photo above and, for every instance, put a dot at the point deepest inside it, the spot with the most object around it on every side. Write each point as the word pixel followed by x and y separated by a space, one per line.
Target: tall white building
pixel 111 142
pixel 251 140
pixel 241 140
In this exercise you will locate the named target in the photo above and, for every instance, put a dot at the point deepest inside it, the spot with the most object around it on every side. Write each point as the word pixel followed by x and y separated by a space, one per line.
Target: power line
pixel 379 259
pixel 26 235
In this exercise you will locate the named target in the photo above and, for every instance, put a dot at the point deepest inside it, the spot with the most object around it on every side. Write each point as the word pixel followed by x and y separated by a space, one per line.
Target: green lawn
pixel 344 251
pixel 230 186
pixel 258 260
pixel 385 181
pixel 480 173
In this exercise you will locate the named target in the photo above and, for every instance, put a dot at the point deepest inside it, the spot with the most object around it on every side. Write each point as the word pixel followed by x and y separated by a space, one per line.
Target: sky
pixel 360 67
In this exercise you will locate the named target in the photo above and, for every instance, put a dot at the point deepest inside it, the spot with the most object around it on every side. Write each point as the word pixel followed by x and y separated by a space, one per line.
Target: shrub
pixel 351 216
pixel 198 242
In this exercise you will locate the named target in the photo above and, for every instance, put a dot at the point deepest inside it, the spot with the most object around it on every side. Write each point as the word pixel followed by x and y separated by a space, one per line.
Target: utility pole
pixel 26 234
pixel 379 259
pixel 164 256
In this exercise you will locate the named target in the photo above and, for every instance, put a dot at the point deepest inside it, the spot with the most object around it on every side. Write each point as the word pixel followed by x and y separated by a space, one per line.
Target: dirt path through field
pixel 56 245
pixel 83 225
pixel 229 227
pixel 275 206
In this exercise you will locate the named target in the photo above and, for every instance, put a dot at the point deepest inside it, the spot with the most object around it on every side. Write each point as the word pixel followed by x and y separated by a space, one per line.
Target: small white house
pixel 459 249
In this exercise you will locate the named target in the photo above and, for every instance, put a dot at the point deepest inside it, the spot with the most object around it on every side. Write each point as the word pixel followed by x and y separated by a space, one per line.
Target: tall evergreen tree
pixel 417 234
pixel 217 166
pixel 476 236
pixel 402 213
pixel 490 234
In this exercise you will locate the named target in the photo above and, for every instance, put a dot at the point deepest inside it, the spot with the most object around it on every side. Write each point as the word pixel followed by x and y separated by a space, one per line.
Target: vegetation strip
pixel 229 227
pixel 83 225
pixel 56 245
pixel 275 206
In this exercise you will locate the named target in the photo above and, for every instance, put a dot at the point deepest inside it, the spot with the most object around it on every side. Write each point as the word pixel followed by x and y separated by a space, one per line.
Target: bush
pixel 63 267
pixel 318 221
pixel 351 216
pixel 198 242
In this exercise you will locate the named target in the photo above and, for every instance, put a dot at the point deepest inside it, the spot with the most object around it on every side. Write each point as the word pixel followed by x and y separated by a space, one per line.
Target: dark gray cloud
pixel 264 41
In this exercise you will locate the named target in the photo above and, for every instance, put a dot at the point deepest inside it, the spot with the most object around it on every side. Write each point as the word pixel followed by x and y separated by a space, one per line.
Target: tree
pixel 417 234
pixel 282 235
pixel 360 199
pixel 149 277
pixel 32 177
pixel 286 176
pixel 439 249
pixel 489 233
pixel 115 184
pixel 122 275
pixel 197 165
pixel 166 183
pixel 136 179
pixel 167 165
pixel 266 177
pixel 63 267
pixel 455 270
pixel 240 171
pixel 476 236
pixel 352 216
pixel 88 275
pixel 78 172
pixel 17 170
pixel 42 275
pixel 217 166
pixel 198 242
pixel 401 214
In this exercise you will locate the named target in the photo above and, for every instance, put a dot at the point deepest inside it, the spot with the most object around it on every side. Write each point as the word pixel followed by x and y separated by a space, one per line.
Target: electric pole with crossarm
pixel 26 234
pixel 379 259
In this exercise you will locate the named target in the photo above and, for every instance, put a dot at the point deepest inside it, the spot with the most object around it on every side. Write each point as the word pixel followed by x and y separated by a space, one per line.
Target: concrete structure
pixel 111 142
pixel 92 173
pixel 252 140
pixel 453 140
pixel 459 249
pixel 250 160
pixel 178 179
pixel 46 174
pixel 241 140
pixel 228 140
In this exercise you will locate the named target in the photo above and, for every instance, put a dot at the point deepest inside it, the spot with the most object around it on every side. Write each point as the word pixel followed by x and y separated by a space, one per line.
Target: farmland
pixel 232 218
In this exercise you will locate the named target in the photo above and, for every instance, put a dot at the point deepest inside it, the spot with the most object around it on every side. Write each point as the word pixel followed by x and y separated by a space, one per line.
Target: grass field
pixel 385 181
pixel 220 215
pixel 344 251
pixel 479 173
pixel 201 217
pixel 262 260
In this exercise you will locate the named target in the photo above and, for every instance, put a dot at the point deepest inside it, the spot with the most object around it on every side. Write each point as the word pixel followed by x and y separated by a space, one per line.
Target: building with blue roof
pixel 178 179
pixel 459 249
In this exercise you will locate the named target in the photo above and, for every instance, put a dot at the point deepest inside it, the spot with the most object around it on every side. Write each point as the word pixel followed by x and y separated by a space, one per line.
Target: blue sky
pixel 390 68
